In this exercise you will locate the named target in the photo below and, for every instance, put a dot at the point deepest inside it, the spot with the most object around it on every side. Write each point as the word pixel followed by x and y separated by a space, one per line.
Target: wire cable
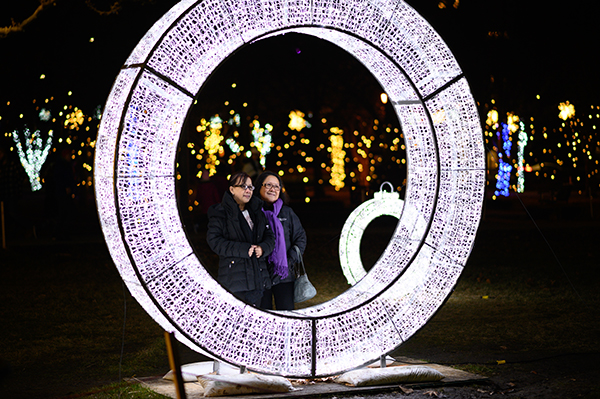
pixel 549 246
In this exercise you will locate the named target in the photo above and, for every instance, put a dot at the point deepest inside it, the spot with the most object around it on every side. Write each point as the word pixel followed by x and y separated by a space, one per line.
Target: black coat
pixel 294 235
pixel 230 237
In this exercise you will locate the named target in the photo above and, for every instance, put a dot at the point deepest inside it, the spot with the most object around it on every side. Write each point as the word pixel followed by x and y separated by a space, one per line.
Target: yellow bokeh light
pixel 492 117
pixel 297 121
pixel 567 110
pixel 338 172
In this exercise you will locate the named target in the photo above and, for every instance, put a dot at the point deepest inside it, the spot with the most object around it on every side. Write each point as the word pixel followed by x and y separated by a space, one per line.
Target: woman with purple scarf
pixel 288 233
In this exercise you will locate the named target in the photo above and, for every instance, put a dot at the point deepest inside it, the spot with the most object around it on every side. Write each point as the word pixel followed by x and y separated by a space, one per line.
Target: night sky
pixel 537 48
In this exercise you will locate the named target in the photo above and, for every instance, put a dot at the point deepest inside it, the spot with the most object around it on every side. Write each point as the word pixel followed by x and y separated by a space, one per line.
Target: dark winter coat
pixel 230 237
pixel 294 235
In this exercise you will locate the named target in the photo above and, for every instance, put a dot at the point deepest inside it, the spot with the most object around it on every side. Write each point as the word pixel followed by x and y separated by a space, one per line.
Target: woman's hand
pixel 256 249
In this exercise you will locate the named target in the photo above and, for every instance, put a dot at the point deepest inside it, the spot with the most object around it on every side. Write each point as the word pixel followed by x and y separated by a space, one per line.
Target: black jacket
pixel 230 237
pixel 294 235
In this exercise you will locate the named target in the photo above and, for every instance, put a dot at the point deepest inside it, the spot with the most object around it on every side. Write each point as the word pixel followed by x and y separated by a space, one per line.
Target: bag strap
pixel 300 257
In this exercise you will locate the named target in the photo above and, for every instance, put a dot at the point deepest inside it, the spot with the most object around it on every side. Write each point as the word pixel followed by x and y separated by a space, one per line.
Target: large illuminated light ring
pixel 135 183
pixel 383 203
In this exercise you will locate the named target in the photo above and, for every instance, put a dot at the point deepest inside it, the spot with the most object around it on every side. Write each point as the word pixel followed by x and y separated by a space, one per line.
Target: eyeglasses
pixel 270 186
pixel 244 187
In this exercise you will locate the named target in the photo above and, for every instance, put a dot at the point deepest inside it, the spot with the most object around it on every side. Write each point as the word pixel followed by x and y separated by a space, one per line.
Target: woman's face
pixel 270 189
pixel 242 192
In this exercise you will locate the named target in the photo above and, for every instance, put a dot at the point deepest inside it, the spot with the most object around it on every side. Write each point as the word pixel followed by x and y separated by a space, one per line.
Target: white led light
pixel 383 203
pixel 135 183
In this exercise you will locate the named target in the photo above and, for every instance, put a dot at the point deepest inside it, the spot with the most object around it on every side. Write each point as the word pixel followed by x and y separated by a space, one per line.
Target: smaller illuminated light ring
pixel 135 172
pixel 383 203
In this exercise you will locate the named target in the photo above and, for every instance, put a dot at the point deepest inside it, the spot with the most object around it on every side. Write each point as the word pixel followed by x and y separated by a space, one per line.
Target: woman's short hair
pixel 238 178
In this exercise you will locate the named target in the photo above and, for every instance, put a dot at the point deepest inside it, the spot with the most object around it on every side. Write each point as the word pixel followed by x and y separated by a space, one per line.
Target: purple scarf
pixel 279 256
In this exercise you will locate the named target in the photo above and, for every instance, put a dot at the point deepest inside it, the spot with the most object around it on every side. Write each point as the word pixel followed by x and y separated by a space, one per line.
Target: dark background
pixel 529 293
pixel 529 48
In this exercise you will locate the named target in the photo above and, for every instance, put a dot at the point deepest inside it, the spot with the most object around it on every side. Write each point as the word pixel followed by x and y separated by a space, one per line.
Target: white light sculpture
pixel 383 203
pixel 135 183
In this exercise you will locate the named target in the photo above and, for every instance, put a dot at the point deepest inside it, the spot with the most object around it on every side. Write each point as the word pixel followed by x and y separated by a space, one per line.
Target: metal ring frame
pixel 135 183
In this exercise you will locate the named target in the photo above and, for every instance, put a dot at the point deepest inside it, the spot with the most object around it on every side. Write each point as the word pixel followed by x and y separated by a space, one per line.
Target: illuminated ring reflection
pixel 134 176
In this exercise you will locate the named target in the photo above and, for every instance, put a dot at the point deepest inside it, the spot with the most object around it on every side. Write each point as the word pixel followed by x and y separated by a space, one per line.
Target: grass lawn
pixel 70 327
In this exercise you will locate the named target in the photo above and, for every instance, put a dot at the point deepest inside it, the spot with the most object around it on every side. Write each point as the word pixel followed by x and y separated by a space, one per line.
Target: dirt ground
pixel 524 314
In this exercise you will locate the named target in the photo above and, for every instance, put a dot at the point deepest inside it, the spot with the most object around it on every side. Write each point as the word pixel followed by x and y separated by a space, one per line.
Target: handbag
pixel 303 288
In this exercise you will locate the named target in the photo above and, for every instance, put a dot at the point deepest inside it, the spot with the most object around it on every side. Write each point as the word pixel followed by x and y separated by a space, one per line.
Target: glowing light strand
pixel 521 158
pixel 262 140
pixel 74 119
pixel 212 143
pixel 504 168
pixel 34 155
pixel 338 170
pixel 233 145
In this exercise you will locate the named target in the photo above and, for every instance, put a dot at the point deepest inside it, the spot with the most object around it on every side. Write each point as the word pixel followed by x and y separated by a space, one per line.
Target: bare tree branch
pixel 15 27
pixel 18 27
pixel 114 8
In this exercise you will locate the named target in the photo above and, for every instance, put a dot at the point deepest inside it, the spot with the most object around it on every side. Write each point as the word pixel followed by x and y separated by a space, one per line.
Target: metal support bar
pixel 175 364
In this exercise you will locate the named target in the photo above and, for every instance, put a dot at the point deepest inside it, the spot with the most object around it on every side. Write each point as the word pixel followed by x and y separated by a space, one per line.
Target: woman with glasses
pixel 239 233
pixel 289 233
